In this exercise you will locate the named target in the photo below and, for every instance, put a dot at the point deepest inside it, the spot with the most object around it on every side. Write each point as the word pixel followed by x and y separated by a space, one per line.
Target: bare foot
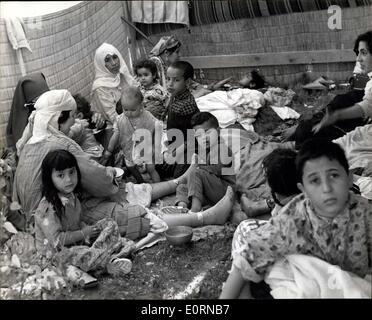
pixel 220 212
pixel 183 179
pixel 253 208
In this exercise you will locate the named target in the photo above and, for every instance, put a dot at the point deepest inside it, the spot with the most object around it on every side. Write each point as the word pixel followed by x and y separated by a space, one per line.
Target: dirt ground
pixel 196 270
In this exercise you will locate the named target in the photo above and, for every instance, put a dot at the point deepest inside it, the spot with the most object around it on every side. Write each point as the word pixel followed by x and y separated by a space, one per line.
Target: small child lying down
pixel 326 221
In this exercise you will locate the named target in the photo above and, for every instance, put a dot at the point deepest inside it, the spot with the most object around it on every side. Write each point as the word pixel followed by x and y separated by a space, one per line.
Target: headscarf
pixel 165 43
pixel 28 89
pixel 43 122
pixel 104 78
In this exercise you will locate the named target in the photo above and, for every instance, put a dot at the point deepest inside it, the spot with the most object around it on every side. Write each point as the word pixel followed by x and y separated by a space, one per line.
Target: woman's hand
pixel 91 231
pixel 328 119
pixel 98 120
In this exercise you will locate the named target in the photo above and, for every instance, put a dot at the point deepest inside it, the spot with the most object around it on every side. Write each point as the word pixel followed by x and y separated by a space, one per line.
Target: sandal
pixel 80 278
pixel 119 267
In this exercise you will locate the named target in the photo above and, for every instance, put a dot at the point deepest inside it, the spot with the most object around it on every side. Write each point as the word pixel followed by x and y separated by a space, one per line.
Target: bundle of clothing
pixel 238 105
pixel 279 99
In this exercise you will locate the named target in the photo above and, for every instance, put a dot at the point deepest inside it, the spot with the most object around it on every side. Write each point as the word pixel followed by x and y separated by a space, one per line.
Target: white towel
pixel 16 33
pixel 160 12
pixel 300 276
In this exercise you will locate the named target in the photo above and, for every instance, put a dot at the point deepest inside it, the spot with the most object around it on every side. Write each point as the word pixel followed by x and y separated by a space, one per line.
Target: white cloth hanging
pixel 17 38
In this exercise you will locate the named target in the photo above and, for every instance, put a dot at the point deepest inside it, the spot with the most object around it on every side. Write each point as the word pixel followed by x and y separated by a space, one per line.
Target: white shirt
pixel 366 103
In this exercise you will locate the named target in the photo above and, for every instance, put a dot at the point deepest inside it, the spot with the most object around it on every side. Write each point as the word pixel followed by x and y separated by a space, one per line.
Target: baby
pixel 155 96
pixel 126 130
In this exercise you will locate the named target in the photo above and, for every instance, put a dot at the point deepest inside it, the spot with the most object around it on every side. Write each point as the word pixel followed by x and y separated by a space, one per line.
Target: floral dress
pixel 51 233
pixel 344 240
pixel 155 100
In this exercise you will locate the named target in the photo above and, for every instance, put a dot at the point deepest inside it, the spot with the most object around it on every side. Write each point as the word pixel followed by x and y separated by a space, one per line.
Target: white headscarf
pixel 104 78
pixel 43 121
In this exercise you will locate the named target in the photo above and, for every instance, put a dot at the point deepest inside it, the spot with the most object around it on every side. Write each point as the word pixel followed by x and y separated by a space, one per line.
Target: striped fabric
pixel 208 12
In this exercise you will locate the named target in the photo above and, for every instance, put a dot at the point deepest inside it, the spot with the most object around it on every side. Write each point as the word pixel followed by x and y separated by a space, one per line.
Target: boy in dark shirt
pixel 182 105
pixel 181 108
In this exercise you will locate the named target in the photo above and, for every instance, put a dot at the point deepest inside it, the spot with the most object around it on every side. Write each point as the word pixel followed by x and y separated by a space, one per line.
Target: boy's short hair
pixel 278 166
pixel 132 90
pixel 367 38
pixel 187 68
pixel 201 117
pixel 317 148
pixel 83 106
pixel 147 64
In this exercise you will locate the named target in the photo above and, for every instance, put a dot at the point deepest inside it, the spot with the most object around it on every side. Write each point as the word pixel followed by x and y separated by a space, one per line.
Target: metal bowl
pixel 118 172
pixel 178 235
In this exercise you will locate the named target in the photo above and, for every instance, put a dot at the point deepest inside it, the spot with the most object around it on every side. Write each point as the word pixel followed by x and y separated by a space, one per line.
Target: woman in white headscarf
pixel 112 75
pixel 47 130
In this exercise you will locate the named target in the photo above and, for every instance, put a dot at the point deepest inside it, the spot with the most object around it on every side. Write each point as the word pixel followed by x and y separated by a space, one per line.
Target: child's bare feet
pixel 220 212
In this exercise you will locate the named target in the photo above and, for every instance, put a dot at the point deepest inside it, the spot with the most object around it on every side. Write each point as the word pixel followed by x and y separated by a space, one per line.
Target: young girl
pixel 59 230
pixel 155 96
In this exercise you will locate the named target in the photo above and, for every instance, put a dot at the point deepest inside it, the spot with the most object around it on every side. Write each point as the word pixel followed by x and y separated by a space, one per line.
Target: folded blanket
pixel 300 276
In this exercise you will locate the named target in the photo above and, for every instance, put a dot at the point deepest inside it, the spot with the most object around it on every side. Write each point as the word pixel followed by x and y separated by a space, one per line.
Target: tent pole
pixel 138 30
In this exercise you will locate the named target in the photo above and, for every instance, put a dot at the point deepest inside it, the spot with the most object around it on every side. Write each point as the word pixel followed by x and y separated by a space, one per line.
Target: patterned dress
pixel 345 240
pixel 155 100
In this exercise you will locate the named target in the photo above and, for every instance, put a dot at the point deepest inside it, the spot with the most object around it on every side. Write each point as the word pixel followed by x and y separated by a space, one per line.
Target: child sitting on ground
pixel 155 96
pixel 278 167
pixel 82 130
pixel 133 118
pixel 326 221
pixel 59 230
pixel 207 183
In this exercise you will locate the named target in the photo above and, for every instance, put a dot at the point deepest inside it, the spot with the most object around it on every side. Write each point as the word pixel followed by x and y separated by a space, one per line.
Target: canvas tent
pixel 222 38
